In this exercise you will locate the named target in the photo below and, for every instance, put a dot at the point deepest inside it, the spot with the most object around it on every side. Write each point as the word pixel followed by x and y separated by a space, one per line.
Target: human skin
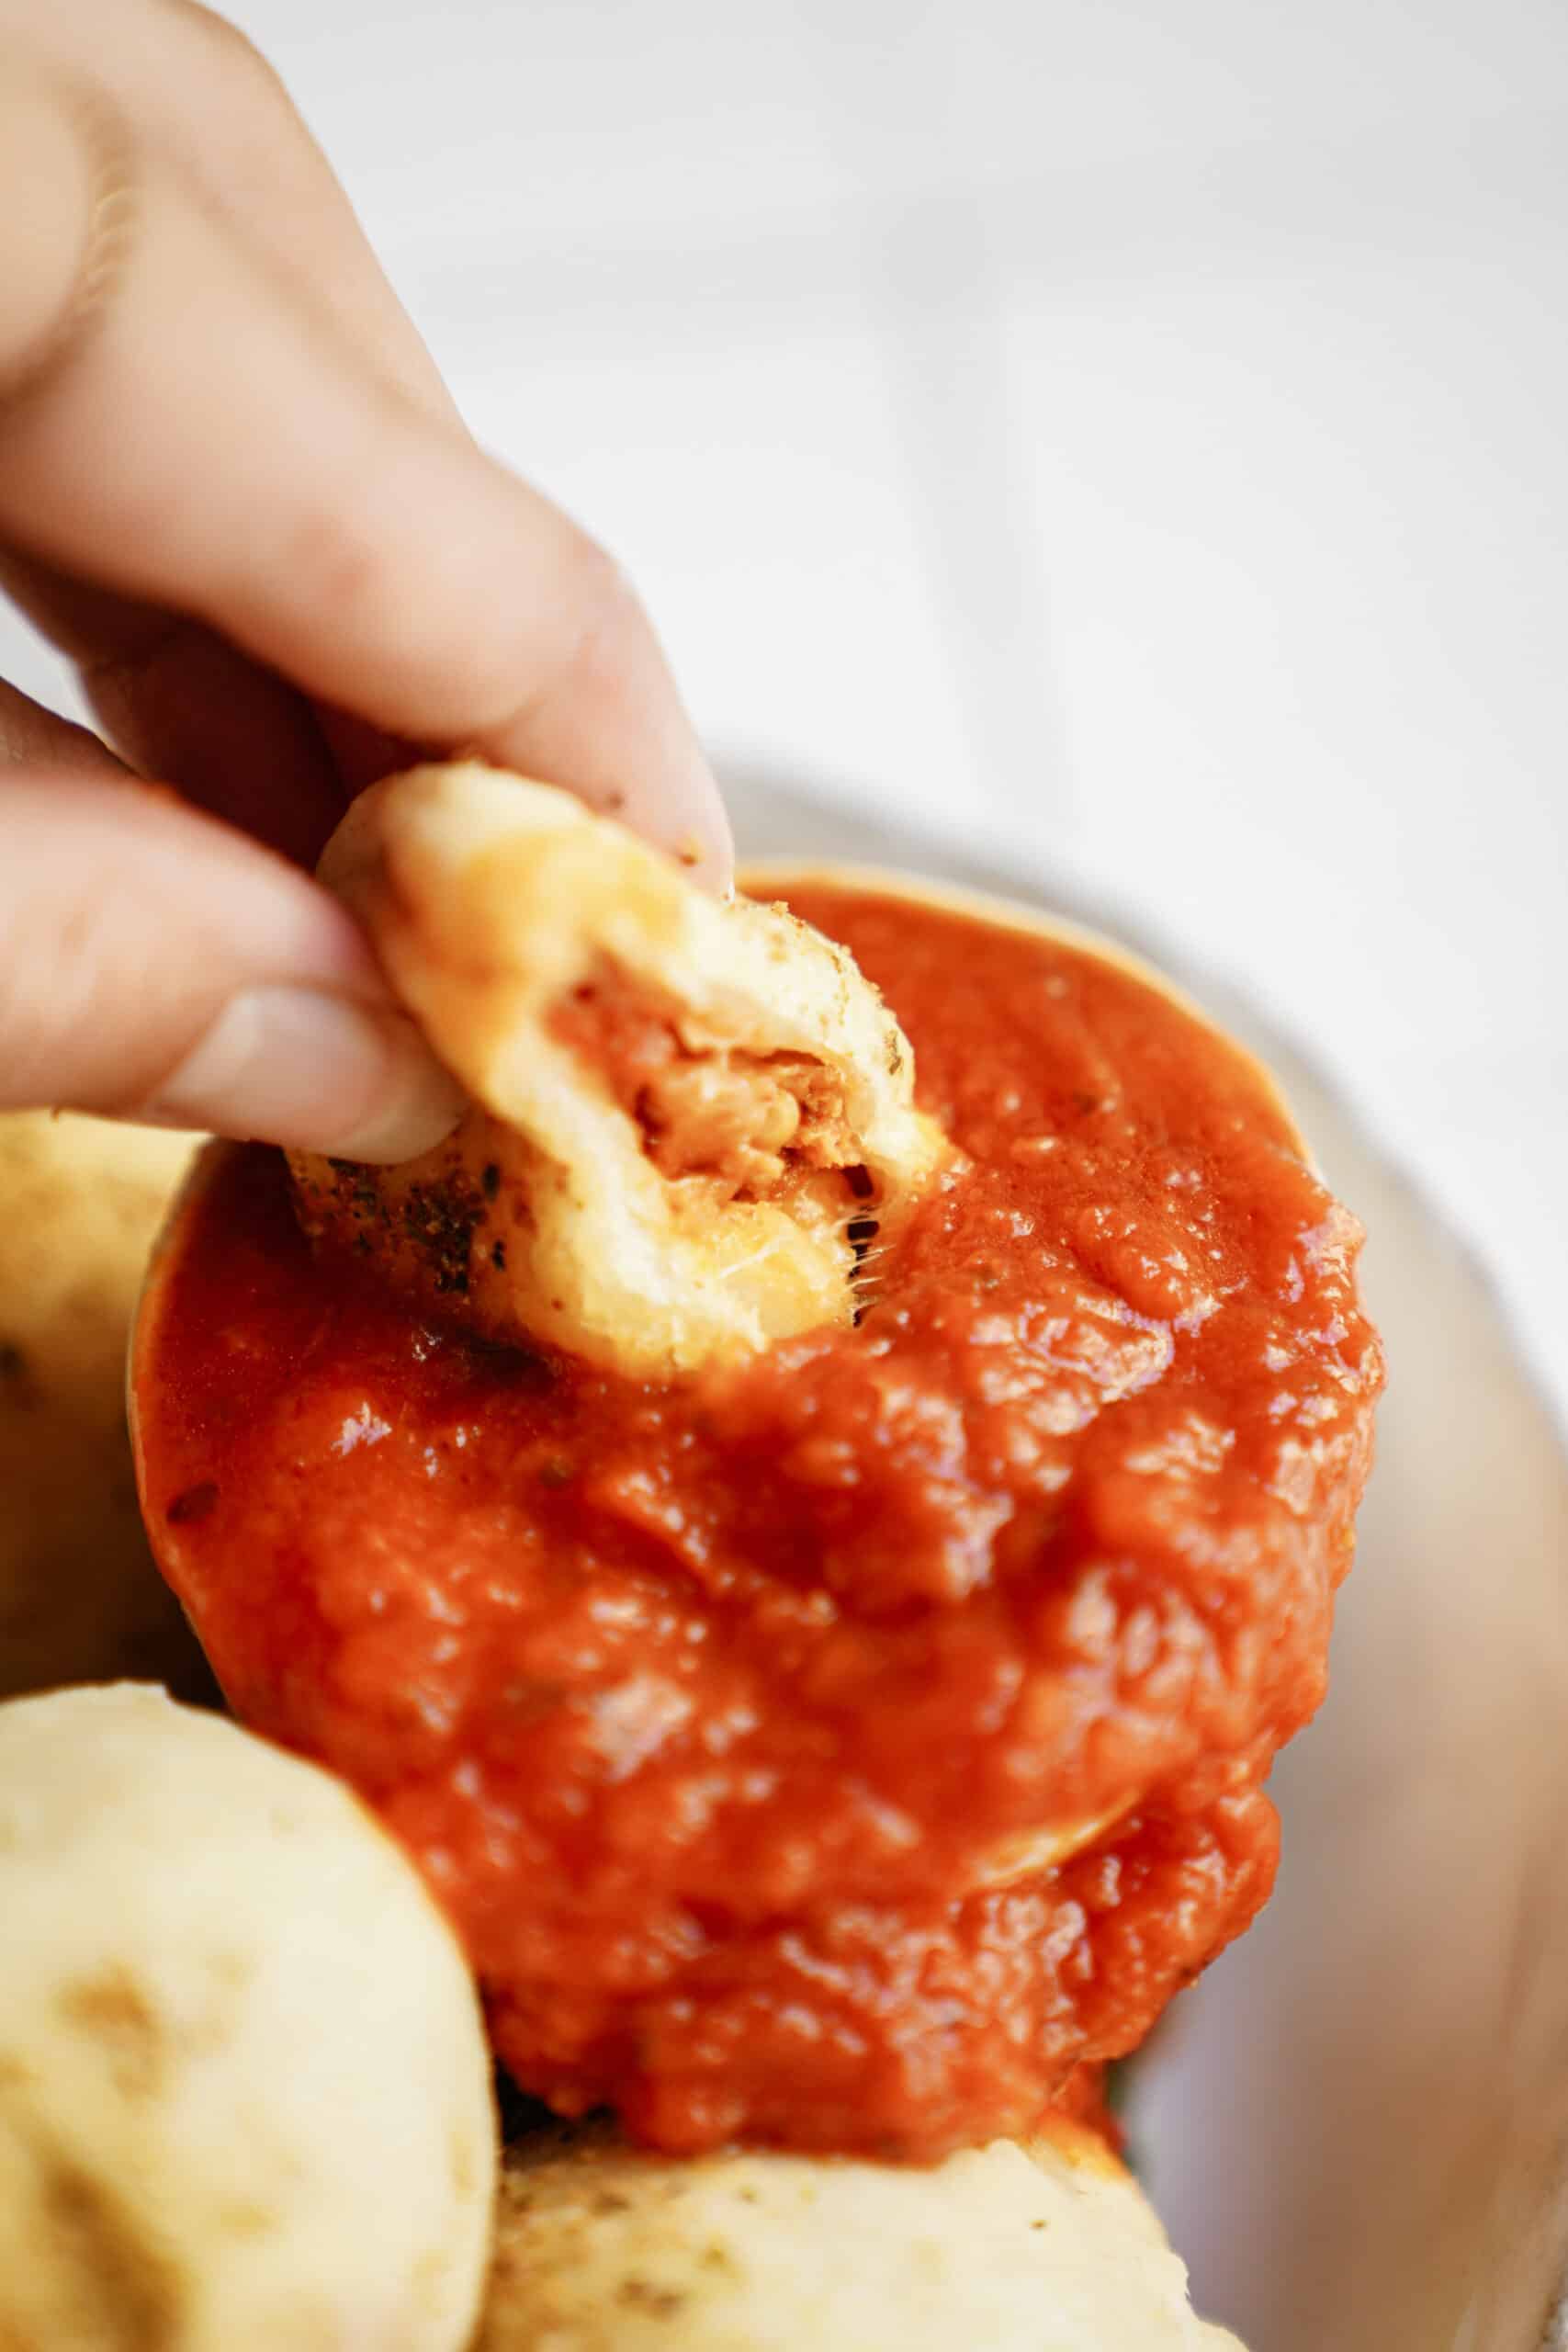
pixel 236 493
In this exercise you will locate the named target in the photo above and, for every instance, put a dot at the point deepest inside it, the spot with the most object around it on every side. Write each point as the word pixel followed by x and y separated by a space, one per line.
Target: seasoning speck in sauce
pixel 855 1749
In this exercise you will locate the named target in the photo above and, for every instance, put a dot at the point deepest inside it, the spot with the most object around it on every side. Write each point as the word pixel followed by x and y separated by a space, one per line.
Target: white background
pixel 1137 432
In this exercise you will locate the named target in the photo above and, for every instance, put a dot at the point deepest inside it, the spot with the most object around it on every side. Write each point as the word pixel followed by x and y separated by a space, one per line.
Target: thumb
pixel 155 965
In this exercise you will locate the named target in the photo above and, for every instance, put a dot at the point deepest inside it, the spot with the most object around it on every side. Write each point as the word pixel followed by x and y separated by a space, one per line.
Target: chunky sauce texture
pixel 727 1719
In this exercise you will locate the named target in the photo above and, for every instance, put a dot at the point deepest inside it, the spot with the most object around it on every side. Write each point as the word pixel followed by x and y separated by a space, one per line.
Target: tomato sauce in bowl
pixel 852 1749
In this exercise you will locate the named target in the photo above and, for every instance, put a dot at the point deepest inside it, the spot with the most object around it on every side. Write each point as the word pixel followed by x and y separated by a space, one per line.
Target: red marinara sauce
pixel 726 1719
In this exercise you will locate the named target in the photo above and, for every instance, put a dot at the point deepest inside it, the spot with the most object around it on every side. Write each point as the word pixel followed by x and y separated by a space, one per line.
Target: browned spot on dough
pixel 242 2217
pixel 658 2302
pixel 90 2238
pixel 114 2012
pixel 465 2165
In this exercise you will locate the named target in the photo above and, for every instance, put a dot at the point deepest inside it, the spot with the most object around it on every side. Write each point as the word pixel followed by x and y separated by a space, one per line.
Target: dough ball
pixel 80 1202
pixel 1048 2248
pixel 244 2095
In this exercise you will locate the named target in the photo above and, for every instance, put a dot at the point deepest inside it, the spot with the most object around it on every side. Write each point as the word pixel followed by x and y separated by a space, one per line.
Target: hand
pixel 234 490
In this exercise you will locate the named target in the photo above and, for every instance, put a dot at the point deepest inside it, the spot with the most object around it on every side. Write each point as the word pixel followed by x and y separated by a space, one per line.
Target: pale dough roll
pixel 1049 2248
pixel 245 2093
pixel 80 1202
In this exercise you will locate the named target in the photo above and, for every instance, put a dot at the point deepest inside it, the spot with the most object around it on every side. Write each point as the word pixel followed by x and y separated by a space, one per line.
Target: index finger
pixel 181 427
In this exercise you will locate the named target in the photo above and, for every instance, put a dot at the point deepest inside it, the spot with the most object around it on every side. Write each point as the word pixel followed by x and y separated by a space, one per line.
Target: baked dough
pixel 690 1119
pixel 245 2093
pixel 81 1200
pixel 1046 2248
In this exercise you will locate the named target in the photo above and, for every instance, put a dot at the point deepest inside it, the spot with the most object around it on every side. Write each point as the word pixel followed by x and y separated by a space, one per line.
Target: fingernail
pixel 316 1071
pixel 708 850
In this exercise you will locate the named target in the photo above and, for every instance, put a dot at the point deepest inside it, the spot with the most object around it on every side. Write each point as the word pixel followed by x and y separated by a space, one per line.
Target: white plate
pixel 1356 2126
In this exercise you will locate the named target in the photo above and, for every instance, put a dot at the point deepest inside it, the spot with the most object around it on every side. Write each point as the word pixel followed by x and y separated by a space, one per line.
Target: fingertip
pixel 314 1071
pixel 416 1103
pixel 712 838
pixel 697 832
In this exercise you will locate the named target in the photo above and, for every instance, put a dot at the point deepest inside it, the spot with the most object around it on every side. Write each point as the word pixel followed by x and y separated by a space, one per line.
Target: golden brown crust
pixel 685 1112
